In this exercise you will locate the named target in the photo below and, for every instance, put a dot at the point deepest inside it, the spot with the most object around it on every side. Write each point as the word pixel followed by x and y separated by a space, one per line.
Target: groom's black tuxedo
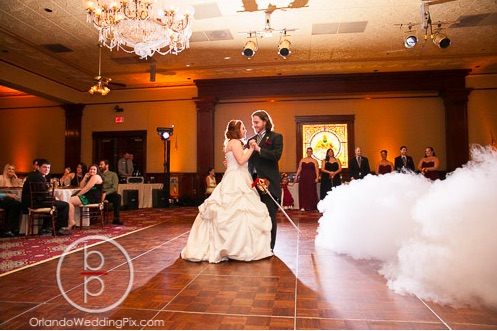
pixel 265 164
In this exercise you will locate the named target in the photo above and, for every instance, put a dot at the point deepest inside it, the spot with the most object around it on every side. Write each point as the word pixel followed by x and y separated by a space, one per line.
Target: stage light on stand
pixel 165 134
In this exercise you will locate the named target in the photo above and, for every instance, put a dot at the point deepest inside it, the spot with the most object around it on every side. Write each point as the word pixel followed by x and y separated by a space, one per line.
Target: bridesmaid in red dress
pixel 429 164
pixel 309 177
pixel 384 166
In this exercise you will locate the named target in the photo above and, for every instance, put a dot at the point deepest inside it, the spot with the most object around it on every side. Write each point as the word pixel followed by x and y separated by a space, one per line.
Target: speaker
pixel 130 199
pixel 135 180
pixel 159 198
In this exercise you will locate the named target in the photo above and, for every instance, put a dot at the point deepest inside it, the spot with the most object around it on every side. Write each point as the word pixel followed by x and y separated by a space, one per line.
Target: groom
pixel 263 163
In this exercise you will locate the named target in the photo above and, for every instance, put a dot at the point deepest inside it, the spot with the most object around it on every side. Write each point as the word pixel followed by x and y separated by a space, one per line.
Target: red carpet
pixel 20 252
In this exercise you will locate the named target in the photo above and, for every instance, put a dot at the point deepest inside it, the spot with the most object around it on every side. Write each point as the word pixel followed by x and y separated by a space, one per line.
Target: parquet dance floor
pixel 301 287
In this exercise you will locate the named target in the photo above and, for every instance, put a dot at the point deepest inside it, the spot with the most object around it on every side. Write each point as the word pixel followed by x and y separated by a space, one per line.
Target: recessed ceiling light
pixel 227 58
pixel 249 69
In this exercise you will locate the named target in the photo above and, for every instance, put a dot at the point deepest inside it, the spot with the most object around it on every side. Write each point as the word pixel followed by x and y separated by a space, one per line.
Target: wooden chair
pixel 41 205
pixel 2 219
pixel 94 210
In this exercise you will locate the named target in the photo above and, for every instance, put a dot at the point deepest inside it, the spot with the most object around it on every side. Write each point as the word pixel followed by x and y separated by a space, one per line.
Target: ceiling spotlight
pixel 165 133
pixel 410 41
pixel 441 40
pixel 250 46
pixel 284 46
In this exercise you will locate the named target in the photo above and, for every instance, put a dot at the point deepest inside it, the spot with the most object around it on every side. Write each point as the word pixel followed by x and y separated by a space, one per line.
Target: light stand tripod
pixel 165 134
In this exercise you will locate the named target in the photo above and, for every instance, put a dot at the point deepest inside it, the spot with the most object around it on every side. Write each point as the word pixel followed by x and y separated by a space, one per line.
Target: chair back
pixel 42 195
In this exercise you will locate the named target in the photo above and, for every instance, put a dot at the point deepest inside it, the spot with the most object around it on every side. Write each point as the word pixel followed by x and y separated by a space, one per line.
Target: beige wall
pixel 148 116
pixel 379 124
pixel 32 127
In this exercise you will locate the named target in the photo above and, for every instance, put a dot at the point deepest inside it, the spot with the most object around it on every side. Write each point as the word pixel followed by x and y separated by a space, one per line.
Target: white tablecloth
pixel 144 192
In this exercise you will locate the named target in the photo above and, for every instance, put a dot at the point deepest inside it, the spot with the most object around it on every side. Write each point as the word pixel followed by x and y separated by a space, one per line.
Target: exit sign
pixel 119 119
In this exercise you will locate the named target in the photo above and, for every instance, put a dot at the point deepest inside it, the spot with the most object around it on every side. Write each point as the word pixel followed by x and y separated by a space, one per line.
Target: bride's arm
pixel 238 152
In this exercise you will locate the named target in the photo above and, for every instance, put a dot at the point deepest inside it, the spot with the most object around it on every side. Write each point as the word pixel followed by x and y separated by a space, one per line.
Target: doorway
pixel 111 145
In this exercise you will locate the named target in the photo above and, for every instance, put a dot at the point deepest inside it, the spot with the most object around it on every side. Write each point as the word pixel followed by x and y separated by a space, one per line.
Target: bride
pixel 232 223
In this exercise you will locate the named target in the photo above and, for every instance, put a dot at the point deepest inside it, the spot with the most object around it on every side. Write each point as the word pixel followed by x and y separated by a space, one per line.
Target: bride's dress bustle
pixel 232 223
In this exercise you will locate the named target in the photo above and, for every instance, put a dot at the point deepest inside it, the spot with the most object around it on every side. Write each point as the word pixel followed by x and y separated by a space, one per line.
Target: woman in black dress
pixel 330 173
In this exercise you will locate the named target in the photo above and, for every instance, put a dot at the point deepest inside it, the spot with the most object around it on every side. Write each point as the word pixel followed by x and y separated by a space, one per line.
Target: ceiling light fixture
pixel 144 27
pixel 411 39
pixel 250 46
pixel 284 46
pixel 441 40
pixel 100 86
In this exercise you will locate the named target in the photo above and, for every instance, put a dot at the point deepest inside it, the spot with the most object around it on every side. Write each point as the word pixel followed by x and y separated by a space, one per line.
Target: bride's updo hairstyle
pixel 233 130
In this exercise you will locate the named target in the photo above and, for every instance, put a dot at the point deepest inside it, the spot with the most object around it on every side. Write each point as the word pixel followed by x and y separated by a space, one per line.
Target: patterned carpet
pixel 20 252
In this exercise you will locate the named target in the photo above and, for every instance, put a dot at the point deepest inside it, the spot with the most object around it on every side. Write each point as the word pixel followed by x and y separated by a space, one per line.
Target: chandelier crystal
pixel 144 27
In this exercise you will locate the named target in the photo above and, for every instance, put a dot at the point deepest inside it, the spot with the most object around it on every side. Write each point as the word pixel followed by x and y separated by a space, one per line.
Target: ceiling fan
pixel 102 83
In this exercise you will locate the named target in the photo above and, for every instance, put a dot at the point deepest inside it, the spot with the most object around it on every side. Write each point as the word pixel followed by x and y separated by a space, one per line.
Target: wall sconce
pixel 284 46
pixel 250 46
pixel 165 133
pixel 441 40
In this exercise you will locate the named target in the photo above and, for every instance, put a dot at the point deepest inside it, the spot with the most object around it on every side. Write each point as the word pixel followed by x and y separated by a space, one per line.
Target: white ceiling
pixel 332 36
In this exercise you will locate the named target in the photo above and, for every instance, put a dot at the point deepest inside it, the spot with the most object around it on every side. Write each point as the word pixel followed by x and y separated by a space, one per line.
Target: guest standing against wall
pixel 403 162
pixel 210 181
pixel 429 164
pixel 358 165
pixel 384 166
pixel 309 176
pixel 331 168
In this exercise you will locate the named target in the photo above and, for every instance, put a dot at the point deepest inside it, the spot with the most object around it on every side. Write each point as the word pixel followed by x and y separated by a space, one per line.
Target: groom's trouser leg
pixel 273 210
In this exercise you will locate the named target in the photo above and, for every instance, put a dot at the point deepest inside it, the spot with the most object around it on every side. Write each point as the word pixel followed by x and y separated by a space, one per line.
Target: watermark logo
pixel 83 276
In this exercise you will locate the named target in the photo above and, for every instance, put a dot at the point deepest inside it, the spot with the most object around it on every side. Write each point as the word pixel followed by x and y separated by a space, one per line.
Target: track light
pixel 284 46
pixel 165 133
pixel 250 47
pixel 410 41
pixel 441 40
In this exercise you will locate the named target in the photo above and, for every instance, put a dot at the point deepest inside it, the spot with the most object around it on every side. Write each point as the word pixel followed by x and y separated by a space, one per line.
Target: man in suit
pixel 40 176
pixel 358 165
pixel 263 163
pixel 403 162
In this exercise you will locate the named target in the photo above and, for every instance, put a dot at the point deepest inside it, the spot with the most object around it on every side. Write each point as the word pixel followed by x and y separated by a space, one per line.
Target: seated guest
pixel 91 191
pixel 9 177
pixel 111 181
pixel 12 206
pixel 65 180
pixel 77 178
pixel 63 208
pixel 384 166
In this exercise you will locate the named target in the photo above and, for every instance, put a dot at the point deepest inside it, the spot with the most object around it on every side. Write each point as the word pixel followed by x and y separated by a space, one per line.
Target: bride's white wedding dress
pixel 232 223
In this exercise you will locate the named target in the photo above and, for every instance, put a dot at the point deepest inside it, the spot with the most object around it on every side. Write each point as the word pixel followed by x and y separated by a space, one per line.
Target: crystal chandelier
pixel 144 27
